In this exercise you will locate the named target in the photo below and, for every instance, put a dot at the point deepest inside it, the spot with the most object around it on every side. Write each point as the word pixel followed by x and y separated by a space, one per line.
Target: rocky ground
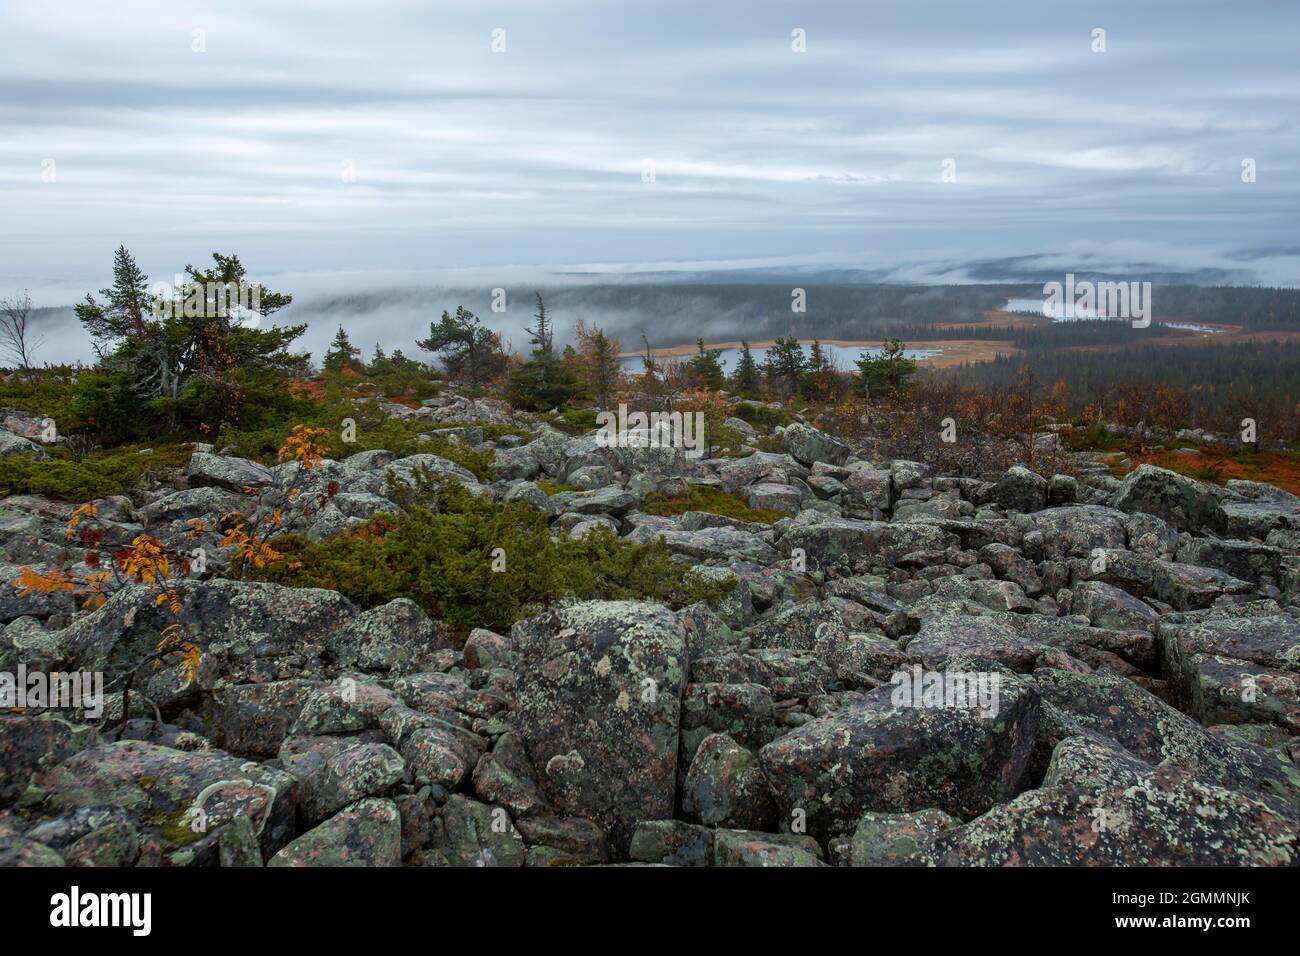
pixel 1144 633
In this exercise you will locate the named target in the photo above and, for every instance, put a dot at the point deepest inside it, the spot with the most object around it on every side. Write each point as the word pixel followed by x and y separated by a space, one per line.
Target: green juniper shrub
pixel 557 487
pixel 578 421
pixel 373 431
pixel 440 550
pixel 1094 438
pixel 43 391
pixel 495 432
pixel 760 416
pixel 99 475
pixel 713 501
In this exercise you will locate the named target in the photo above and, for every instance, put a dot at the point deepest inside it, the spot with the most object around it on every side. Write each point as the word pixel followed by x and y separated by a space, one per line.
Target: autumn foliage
pixel 148 562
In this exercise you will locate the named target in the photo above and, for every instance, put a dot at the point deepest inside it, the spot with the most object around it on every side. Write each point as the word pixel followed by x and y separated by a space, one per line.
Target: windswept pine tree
pixel 467 349
pixel 199 355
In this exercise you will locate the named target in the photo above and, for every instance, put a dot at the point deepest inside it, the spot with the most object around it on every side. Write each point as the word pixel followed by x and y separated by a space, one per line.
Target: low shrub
pixel 442 554
pixel 575 422
pixel 373 431
pixel 113 472
pixel 556 487
pixel 760 416
pixel 712 500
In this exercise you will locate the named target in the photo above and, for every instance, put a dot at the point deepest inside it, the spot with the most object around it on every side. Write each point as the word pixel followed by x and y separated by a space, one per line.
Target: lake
pixel 1035 307
pixel 841 356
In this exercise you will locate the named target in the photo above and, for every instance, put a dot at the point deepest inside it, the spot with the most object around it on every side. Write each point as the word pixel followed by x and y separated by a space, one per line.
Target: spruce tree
pixel 785 365
pixel 124 313
pixel 599 361
pixel 544 381
pixel 887 374
pixel 342 354
pixel 745 380
pixel 704 370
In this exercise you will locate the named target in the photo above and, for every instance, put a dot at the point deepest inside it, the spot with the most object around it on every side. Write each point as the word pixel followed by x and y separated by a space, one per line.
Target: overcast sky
pixel 534 158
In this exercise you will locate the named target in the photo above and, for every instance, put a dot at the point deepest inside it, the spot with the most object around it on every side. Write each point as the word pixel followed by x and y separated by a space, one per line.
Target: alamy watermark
pixel 75 690
pixel 74 908
pixel 623 429
pixel 1085 299
pixel 974 690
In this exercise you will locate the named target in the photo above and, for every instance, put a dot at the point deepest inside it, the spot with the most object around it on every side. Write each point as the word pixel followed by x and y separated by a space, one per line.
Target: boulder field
pixel 907 669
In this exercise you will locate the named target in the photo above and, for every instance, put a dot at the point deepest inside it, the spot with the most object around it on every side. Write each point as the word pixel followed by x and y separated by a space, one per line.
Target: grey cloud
pixel 531 161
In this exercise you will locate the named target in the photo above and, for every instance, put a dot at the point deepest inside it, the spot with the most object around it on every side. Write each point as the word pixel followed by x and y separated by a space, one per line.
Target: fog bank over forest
pixel 676 303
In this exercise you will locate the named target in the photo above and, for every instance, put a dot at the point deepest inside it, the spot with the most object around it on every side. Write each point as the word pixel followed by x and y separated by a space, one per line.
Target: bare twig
pixel 16 340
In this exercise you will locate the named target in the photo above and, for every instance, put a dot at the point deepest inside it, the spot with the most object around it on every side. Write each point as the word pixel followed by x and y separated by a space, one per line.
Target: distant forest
pixel 682 311
pixel 1220 384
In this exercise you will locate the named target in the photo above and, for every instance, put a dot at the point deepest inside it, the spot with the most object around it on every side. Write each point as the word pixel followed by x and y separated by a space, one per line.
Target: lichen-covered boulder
pixel 207 504
pixel 232 474
pixel 1270 641
pixel 531 460
pixel 1235 670
pixel 1247 560
pixel 577 839
pixel 367 833
pixel 1187 504
pixel 1019 489
pixel 475 834
pixel 750 848
pixel 868 492
pixel 671 842
pixel 777 497
pixel 598 704
pixel 1093 763
pixel 1008 564
pixel 1187 587
pixel 879 756
pixel 1255 509
pixel 713 543
pixel 1223 690
pixel 17 850
pixel 898 839
pixel 1155 732
pixel 15 604
pixel 1105 605
pixel 762 465
pixel 396 636
pixel 246 632
pixel 506 777
pixel 828 541
pixel 252 720
pixel 335 771
pixel 745 711
pixel 988 639
pixel 11 444
pixel 1168 819
pixel 808 445
pixel 178 801
pixel 31 744
pixel 406 469
pixel 725 787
